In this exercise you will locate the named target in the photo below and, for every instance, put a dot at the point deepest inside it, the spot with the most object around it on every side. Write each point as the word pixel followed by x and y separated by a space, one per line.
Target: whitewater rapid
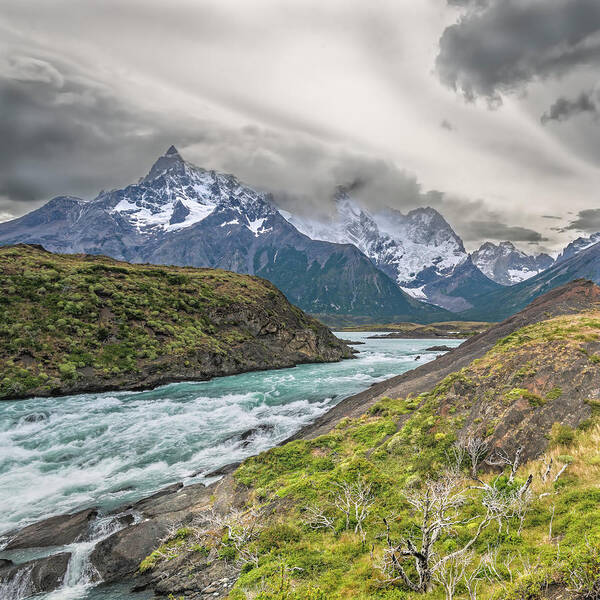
pixel 105 450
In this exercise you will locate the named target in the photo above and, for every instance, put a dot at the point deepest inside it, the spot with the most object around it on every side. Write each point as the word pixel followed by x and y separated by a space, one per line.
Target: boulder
pixel 121 553
pixel 37 576
pixel 55 531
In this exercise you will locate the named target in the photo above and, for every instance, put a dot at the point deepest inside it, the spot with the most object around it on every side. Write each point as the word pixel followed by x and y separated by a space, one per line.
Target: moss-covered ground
pixel 69 317
pixel 403 443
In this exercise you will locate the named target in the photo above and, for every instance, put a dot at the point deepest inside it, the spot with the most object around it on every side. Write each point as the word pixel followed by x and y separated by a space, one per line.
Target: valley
pixel 356 268
pixel 110 450
pixel 300 300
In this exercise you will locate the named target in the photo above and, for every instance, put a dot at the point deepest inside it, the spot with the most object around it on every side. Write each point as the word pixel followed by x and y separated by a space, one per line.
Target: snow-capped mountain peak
pixel 176 194
pixel 578 245
pixel 402 245
pixel 507 265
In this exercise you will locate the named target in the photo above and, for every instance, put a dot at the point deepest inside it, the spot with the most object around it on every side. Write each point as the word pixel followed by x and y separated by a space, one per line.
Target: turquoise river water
pixel 62 454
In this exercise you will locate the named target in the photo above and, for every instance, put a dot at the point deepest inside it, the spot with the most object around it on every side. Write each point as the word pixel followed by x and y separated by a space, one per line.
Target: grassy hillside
pixel 347 514
pixel 71 323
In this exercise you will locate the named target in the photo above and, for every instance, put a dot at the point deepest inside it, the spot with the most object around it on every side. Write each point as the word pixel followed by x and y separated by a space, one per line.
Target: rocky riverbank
pixel 72 324
pixel 171 542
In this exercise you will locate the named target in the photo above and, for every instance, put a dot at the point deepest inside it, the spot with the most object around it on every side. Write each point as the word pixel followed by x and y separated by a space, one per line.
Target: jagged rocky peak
pixel 177 194
pixel 577 246
pixel 504 263
pixel 171 158
pixel 423 225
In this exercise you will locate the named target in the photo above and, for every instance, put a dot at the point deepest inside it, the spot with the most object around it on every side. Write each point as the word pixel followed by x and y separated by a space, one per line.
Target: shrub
pixel 67 370
pixel 566 459
pixel 562 434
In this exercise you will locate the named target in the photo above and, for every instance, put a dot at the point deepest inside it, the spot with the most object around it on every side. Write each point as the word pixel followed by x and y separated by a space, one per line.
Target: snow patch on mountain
pixel 507 265
pixel 417 292
pixel 402 245
pixel 176 194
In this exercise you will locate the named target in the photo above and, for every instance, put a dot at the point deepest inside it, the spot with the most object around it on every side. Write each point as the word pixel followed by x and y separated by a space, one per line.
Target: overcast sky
pixel 488 110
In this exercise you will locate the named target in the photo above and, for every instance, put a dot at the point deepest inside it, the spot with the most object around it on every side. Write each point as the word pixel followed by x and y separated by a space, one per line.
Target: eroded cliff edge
pixel 80 323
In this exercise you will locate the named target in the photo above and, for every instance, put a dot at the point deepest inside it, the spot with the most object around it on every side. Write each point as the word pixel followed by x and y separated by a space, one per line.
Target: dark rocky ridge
pixel 571 298
pixel 140 326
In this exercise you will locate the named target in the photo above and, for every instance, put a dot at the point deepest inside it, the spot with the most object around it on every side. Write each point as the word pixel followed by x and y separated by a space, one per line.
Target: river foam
pixel 62 454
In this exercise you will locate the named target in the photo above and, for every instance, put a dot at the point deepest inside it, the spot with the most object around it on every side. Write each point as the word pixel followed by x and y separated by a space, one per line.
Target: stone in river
pixel 34 577
pixel 55 531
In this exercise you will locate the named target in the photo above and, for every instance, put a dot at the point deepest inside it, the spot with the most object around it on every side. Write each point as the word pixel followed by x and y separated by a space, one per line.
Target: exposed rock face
pixel 121 553
pixel 33 577
pixel 55 531
pixel 507 265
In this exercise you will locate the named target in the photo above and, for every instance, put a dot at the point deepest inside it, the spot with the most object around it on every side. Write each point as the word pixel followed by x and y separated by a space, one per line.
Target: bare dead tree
pixel 437 508
pixel 500 458
pixel 317 518
pixel 451 572
pixel 560 472
pixel 583 581
pixel 475 449
pixel 472 581
pixel 546 473
pixel 354 501
pixel 242 527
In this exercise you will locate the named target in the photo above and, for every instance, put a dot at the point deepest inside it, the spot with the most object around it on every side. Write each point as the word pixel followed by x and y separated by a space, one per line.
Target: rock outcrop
pixel 140 326
pixel 55 531
pixel 33 577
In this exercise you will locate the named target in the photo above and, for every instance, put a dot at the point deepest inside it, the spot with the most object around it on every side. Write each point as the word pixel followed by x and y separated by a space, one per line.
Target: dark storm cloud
pixel 496 230
pixel 512 42
pixel 587 220
pixel 565 108
pixel 65 134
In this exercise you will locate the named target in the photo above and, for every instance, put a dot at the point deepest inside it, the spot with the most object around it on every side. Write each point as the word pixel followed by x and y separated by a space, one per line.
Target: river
pixel 62 454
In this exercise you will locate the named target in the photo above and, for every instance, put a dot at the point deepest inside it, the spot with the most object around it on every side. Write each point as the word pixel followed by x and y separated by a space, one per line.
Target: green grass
pixel 68 317
pixel 401 443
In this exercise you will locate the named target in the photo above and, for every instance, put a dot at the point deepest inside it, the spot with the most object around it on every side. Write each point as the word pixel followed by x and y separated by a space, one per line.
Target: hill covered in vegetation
pixel 485 485
pixel 75 323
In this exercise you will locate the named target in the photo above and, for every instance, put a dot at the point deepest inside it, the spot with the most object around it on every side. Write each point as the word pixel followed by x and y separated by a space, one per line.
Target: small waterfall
pixel 80 574
pixel 19 587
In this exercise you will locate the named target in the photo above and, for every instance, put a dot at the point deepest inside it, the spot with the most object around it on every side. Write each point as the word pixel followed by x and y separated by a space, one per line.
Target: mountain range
pixel 180 214
pixel 361 265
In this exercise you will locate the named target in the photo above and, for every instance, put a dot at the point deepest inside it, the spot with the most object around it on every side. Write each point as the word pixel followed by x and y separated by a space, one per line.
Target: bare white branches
pixel 242 528
pixel 500 458
pixel 474 449
pixel 317 518
pixel 353 501
pixel 452 572
pixel 437 509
